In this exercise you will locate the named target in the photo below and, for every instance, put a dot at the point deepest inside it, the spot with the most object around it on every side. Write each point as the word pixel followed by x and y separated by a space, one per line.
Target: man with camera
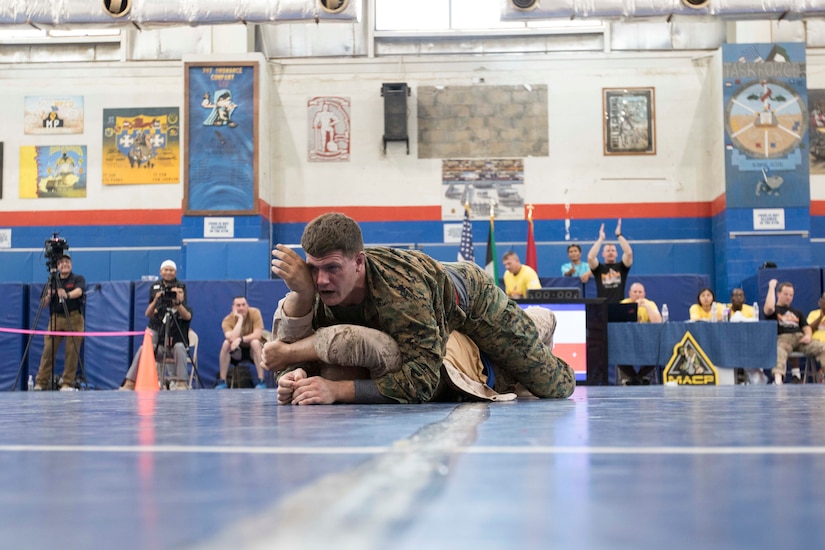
pixel 64 295
pixel 169 318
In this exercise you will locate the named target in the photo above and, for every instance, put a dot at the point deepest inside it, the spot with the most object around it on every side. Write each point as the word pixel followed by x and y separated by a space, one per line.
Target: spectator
pixel 242 330
pixel 706 307
pixel 739 310
pixel 576 267
pixel 794 333
pixel 610 276
pixel 65 295
pixel 518 278
pixel 648 312
pixel 411 301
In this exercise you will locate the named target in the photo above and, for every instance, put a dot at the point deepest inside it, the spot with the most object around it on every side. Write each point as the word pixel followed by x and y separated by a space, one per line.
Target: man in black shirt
pixel 168 295
pixel 610 276
pixel 794 333
pixel 65 290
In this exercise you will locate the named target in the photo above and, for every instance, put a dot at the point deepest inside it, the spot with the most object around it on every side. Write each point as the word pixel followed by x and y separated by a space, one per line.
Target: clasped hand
pixel 296 389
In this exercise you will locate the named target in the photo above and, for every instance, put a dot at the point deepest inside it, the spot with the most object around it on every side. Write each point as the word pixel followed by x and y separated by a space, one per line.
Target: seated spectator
pixel 518 278
pixel 816 320
pixel 703 309
pixel 739 310
pixel 576 267
pixel 794 333
pixel 648 312
pixel 242 330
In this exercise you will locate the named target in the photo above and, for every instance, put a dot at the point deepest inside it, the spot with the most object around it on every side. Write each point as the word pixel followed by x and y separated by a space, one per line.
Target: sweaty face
pixel 609 254
pixel 337 277
pixel 512 265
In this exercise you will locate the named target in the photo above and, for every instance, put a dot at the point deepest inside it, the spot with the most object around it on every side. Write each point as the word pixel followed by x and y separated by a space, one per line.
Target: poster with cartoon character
pixel 57 171
pixel 53 115
pixel 221 167
pixel 141 146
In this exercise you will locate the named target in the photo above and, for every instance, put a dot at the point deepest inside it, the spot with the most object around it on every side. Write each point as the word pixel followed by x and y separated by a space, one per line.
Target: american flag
pixel 465 251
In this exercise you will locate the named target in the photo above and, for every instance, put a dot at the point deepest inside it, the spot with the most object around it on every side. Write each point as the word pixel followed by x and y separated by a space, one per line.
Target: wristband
pixel 619 235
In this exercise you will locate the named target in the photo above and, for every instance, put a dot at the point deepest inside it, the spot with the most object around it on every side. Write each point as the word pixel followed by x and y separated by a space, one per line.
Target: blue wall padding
pixel 13 316
pixel 108 309
pixel 265 296
pixel 211 301
pixel 210 261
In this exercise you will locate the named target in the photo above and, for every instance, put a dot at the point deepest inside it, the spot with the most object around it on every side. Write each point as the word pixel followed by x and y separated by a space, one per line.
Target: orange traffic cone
pixel 147 374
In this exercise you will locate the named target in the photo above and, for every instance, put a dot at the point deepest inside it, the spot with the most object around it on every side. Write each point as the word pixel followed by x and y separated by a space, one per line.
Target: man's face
pixel 637 292
pixel 737 298
pixel 574 254
pixel 512 264
pixel 240 306
pixel 168 273
pixel 64 266
pixel 785 296
pixel 609 253
pixel 336 277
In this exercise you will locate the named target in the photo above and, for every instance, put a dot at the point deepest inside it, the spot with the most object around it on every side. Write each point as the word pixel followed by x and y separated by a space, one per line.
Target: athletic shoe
pixel 38 387
pixel 260 386
pixel 221 385
pixel 178 385
pixel 796 380
pixel 66 387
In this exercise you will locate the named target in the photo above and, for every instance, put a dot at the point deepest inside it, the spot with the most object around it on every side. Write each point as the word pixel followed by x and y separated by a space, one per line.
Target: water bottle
pixel 31 383
pixel 725 314
pixel 713 313
pixel 755 311
pixel 665 314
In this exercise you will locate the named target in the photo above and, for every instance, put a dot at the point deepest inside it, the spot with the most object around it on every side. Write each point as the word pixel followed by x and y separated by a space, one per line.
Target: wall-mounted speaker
pixel 395 112
pixel 554 293
pixel 333 6
pixel 696 4
pixel 524 4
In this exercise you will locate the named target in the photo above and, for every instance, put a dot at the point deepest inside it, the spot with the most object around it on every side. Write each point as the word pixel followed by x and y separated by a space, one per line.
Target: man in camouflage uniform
pixel 413 300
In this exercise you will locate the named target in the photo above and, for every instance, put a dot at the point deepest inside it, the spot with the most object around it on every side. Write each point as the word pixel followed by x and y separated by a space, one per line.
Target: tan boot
pixel 128 385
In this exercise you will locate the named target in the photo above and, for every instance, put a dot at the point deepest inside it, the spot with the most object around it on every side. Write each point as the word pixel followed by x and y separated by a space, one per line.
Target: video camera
pixel 54 248
pixel 168 296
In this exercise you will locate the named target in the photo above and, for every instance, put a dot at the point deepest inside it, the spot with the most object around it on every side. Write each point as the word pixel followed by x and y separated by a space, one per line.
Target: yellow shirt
pixel 818 331
pixel 747 312
pixel 524 279
pixel 699 314
pixel 641 313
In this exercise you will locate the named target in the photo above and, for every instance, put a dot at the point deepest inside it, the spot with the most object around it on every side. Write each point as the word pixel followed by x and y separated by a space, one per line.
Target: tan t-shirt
pixel 253 321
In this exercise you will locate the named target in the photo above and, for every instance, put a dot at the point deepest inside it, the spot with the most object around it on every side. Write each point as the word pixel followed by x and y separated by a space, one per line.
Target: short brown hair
pixel 332 232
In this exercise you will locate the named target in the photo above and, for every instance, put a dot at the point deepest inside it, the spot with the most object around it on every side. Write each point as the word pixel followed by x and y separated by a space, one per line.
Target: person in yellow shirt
pixel 739 310
pixel 518 278
pixel 703 309
pixel 816 320
pixel 647 312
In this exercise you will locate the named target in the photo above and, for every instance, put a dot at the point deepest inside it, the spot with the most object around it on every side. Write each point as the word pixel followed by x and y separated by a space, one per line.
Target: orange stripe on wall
pixel 817 208
pixel 717 206
pixel 91 217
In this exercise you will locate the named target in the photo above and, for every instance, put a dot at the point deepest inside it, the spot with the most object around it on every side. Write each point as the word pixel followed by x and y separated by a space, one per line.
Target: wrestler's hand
pixel 313 391
pixel 274 356
pixel 290 267
pixel 286 385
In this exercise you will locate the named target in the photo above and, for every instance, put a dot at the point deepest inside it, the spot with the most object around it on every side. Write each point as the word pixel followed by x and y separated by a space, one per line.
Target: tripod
pixel 49 294
pixel 170 320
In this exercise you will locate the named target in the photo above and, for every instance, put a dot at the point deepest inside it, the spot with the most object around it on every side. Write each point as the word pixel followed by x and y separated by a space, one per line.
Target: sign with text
pixel 769 218
pixel 219 228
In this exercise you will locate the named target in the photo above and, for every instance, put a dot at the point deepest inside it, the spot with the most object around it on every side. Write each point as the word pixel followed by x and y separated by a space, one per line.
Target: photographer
pixel 65 289
pixel 168 295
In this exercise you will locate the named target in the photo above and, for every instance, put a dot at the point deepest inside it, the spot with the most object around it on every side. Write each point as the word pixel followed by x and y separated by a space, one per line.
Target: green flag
pixel 491 266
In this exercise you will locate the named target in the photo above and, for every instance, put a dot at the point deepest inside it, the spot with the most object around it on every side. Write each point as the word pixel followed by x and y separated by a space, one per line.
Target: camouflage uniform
pixel 412 298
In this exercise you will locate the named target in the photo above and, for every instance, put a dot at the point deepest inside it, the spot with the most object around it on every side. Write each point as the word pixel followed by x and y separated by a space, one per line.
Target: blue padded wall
pixel 807 283
pixel 13 316
pixel 108 309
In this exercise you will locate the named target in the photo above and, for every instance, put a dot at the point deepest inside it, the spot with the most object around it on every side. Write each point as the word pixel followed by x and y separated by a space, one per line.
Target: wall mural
pixel 141 146
pixel 53 114
pixel 57 171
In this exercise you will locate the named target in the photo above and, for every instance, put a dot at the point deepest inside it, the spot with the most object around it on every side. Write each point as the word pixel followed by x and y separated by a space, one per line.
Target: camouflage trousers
pixel 502 330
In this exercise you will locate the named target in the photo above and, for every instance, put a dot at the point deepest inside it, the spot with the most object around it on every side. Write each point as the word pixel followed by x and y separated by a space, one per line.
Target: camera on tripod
pixel 54 249
pixel 168 297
